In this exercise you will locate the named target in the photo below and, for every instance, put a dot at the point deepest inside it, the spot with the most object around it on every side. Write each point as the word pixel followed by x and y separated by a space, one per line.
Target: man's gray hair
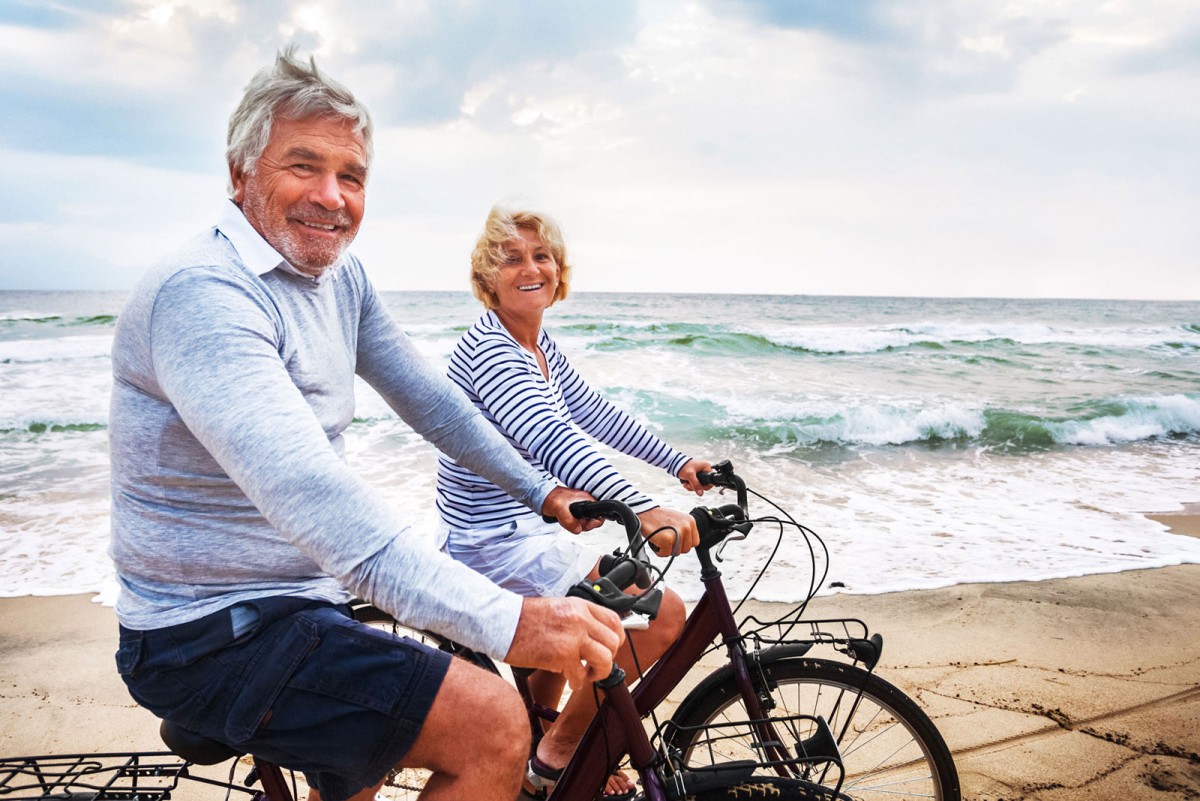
pixel 289 89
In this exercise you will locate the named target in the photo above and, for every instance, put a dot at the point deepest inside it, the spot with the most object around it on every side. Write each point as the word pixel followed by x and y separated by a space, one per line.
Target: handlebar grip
pixel 715 525
pixel 610 510
pixel 623 574
pixel 641 576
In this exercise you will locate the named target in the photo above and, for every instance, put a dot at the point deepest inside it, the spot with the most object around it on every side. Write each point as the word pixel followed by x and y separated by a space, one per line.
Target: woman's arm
pixel 596 415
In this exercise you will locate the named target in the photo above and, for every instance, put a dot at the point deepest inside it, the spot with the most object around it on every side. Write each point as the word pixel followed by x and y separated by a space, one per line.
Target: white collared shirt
pixel 255 251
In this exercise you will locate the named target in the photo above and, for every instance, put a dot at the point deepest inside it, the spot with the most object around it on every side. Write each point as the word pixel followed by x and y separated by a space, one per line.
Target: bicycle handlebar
pixel 610 510
pixel 607 510
pixel 722 475
pixel 617 572
pixel 715 525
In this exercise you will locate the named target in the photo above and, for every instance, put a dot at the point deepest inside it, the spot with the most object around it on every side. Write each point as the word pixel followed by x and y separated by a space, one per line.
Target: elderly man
pixel 239 532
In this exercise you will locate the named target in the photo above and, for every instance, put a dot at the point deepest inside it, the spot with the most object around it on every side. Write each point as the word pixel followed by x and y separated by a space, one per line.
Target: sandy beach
pixel 1082 688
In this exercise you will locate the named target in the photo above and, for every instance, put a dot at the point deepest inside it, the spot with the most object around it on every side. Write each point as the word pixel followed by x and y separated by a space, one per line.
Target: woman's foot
pixel 540 779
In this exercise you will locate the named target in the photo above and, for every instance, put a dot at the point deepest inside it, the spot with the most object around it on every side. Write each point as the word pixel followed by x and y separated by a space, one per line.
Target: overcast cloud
pixel 1018 148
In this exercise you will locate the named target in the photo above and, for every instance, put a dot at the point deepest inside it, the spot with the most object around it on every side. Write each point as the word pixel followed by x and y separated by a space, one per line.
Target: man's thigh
pixel 307 688
pixel 354 704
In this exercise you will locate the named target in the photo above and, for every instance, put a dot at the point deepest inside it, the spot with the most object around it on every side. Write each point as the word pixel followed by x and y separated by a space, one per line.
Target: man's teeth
pixel 322 226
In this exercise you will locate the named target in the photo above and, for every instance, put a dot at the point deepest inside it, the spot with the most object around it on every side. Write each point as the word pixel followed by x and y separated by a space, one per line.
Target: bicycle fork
pixel 806 756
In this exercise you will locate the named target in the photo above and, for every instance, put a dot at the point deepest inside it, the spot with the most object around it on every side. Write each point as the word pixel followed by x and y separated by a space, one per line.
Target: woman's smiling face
pixel 529 276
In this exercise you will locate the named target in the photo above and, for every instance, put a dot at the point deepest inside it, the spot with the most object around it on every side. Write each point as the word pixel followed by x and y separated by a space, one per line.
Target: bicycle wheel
pixel 889 748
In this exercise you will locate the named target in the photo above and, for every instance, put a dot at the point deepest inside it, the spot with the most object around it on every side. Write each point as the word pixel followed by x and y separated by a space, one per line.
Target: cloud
pixel 96 222
pixel 923 147
pixel 1175 52
pixel 862 20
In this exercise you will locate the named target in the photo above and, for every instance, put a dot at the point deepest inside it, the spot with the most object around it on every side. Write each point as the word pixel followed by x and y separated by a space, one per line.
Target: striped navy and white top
pixel 546 421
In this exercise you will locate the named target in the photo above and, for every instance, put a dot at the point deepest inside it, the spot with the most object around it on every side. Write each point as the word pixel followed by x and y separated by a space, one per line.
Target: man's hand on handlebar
pixel 557 506
pixel 663 542
pixel 566 635
pixel 688 478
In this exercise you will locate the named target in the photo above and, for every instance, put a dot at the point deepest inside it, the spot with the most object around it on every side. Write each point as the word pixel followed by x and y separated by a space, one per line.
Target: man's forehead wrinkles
pixel 299 151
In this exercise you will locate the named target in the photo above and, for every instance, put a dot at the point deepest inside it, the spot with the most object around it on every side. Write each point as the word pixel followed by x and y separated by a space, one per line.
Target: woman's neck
pixel 525 328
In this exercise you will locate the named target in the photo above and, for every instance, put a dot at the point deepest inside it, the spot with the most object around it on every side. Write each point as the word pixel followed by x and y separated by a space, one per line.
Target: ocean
pixel 927 442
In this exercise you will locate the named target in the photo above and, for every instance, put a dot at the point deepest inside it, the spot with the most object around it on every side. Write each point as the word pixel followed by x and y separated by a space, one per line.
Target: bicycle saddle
pixel 195 748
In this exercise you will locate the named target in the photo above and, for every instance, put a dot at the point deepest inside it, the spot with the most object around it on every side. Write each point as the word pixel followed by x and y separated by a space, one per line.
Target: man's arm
pixel 435 408
pixel 216 341
pixel 569 636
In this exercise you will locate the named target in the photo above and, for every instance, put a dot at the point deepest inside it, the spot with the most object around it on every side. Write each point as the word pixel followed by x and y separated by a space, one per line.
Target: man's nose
pixel 327 192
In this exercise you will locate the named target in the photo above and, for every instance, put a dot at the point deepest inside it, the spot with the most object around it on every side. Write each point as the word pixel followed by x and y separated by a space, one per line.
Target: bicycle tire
pixel 889 747
pixel 767 788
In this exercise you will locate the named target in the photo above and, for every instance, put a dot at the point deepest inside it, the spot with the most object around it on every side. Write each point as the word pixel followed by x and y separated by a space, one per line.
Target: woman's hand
pixel 558 503
pixel 679 527
pixel 687 476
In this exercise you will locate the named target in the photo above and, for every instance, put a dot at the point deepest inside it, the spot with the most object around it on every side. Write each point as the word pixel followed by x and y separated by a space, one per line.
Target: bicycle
pixel 773 722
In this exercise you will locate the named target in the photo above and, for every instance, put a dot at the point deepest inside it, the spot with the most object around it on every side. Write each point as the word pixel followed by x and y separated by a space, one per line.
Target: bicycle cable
pixel 818 553
pixel 817 576
pixel 809 535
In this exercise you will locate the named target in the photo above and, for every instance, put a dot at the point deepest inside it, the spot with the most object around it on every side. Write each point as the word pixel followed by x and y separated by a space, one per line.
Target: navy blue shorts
pixel 291 680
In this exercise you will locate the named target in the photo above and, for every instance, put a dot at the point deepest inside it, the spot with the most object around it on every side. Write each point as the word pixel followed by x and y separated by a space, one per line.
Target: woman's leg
pixel 546 689
pixel 563 736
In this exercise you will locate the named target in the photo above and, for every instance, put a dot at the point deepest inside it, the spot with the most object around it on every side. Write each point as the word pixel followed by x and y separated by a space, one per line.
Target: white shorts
pixel 529 556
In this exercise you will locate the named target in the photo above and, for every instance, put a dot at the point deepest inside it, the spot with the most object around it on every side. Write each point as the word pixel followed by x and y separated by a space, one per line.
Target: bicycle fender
pixel 725 673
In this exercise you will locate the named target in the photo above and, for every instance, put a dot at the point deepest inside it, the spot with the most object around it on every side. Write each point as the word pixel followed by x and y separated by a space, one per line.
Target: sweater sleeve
pixel 215 343
pixel 437 409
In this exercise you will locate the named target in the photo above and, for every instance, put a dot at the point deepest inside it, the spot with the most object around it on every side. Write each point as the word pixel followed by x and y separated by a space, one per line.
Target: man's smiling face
pixel 307 193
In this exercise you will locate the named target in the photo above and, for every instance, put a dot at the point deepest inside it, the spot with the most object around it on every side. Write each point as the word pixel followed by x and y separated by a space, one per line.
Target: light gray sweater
pixel 233 380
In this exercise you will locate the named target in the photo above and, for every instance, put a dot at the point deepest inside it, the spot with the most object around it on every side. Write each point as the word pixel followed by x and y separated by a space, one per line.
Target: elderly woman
pixel 515 374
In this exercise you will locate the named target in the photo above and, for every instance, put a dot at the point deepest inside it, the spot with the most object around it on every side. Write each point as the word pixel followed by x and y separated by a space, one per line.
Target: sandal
pixel 541 778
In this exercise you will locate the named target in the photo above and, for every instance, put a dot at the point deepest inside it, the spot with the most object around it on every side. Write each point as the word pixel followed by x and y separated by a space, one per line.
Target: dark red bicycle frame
pixel 606 740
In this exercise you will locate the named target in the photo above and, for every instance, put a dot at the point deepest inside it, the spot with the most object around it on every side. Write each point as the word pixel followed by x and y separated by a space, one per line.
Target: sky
pixel 943 148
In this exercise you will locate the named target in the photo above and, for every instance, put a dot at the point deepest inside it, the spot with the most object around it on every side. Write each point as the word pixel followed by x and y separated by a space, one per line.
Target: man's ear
pixel 237 179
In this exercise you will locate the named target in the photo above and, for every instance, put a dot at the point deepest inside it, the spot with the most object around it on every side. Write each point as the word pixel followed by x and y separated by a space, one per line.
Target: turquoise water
pixel 928 441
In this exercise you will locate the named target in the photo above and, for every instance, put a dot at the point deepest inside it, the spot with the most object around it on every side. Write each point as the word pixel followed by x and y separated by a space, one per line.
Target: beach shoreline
pixel 1071 688
pixel 1186 521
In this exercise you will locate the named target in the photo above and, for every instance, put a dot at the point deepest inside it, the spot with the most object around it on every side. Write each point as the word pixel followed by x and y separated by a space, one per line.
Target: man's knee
pixel 477 723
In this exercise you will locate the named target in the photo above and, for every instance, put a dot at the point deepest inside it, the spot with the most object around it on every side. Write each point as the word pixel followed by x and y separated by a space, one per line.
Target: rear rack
pixel 131 776
pixel 791 628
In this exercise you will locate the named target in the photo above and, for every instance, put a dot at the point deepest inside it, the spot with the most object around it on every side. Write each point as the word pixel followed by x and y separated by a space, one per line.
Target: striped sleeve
pixel 593 413
pixel 504 381
pixel 511 387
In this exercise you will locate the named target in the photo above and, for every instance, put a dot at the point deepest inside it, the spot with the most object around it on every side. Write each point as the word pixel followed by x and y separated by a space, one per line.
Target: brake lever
pixel 647 604
pixel 603 592
pixel 743 530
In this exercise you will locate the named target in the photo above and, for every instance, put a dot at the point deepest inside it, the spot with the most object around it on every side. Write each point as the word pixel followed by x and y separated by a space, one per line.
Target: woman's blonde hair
pixel 490 253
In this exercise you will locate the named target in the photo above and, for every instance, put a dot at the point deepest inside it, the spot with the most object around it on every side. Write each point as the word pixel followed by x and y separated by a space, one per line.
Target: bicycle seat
pixel 195 748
